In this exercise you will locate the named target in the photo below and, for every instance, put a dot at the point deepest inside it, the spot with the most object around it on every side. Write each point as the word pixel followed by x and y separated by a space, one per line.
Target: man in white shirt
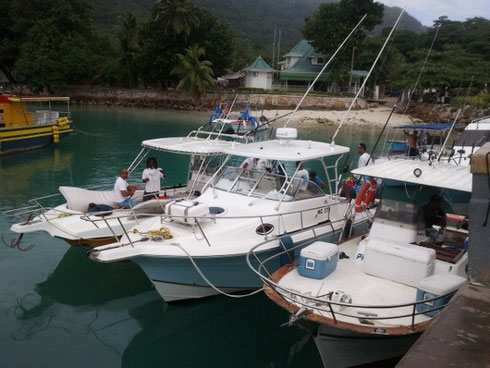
pixel 122 191
pixel 364 158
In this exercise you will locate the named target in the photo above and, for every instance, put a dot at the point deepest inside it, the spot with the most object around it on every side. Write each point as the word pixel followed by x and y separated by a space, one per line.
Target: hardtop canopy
pixel 190 145
pixel 434 174
pixel 287 150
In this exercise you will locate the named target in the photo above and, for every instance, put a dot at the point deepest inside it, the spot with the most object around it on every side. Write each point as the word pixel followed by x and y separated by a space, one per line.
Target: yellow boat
pixel 29 122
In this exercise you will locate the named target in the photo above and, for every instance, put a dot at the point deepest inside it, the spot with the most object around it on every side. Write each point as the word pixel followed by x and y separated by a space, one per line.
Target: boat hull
pixel 178 279
pixel 341 348
pixel 15 140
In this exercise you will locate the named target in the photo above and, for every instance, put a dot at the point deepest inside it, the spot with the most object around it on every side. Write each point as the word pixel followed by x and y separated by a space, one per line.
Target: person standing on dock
pixel 122 191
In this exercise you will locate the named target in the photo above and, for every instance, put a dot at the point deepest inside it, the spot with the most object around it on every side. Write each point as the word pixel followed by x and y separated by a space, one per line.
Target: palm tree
pixel 179 16
pixel 127 36
pixel 196 76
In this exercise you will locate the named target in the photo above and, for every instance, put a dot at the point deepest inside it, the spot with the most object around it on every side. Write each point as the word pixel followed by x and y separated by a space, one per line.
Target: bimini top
pixel 434 126
pixel 437 174
pixel 190 145
pixel 287 150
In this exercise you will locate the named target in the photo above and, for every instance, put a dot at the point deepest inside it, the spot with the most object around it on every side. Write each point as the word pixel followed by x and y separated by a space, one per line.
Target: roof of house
pixel 304 70
pixel 259 65
pixel 300 49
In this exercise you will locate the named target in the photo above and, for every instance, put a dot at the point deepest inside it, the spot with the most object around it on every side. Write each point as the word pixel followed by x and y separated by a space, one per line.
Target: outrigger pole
pixel 455 119
pixel 366 79
pixel 323 69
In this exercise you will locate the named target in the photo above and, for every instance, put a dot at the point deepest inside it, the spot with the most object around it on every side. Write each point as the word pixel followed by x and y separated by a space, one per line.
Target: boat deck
pixel 364 289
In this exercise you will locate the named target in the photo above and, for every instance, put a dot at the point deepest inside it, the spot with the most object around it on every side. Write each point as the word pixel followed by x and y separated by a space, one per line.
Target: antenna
pixel 323 69
pixel 274 48
pixel 367 77
pixel 279 47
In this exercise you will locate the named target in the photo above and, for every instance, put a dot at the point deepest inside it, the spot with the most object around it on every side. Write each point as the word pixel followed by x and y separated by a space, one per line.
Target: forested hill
pixel 253 20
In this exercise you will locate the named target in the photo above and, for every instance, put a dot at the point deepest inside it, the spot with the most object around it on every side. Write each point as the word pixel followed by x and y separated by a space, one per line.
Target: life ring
pixel 366 196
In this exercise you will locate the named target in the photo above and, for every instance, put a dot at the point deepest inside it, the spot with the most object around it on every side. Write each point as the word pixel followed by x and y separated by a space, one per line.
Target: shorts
pixel 128 202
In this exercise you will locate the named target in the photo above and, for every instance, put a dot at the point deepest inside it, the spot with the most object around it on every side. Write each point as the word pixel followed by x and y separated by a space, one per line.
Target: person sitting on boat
pixel 151 177
pixel 254 164
pixel 122 191
pixel 303 175
pixel 434 215
pixel 413 140
pixel 314 178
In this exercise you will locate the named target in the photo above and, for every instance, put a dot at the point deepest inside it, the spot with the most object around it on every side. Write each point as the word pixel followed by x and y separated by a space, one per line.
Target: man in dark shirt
pixel 434 215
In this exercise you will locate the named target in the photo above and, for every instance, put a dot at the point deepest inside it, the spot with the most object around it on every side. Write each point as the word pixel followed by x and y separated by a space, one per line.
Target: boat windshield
pixel 473 137
pixel 398 211
pixel 266 184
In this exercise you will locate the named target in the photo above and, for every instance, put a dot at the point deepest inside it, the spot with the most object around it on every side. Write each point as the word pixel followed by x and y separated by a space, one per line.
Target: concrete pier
pixel 460 337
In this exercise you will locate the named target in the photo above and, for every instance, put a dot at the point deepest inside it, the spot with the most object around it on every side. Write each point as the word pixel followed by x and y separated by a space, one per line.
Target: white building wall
pixel 258 80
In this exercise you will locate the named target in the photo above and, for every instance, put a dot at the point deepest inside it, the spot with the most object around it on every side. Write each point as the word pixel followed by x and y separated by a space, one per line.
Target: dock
pixel 460 337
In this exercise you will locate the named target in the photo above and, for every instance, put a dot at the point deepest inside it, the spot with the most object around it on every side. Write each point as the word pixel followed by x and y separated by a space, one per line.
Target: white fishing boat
pixel 73 219
pixel 198 248
pixel 373 301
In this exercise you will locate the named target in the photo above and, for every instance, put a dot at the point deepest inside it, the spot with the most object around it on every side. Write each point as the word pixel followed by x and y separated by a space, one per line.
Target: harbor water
pixel 59 309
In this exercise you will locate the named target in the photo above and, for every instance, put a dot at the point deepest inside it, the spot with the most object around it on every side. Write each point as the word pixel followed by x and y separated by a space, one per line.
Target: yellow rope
pixel 163 231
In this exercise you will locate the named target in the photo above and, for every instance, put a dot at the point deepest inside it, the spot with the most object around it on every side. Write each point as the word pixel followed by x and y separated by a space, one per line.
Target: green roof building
pixel 302 64
pixel 259 74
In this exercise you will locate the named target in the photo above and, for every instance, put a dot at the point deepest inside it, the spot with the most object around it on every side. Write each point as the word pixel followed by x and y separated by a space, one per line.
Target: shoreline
pixel 371 117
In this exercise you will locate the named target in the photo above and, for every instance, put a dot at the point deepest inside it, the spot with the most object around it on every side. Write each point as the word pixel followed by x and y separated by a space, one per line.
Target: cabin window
pixel 473 137
pixel 398 211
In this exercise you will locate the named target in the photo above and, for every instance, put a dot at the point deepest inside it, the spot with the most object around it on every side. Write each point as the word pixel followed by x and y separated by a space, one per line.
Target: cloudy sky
pixel 428 10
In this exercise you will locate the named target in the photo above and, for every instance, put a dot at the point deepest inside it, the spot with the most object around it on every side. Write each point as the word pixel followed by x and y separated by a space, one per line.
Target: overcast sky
pixel 427 11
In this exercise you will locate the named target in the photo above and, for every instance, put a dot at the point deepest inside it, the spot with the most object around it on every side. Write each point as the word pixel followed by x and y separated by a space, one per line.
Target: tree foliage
pixel 195 75
pixel 337 20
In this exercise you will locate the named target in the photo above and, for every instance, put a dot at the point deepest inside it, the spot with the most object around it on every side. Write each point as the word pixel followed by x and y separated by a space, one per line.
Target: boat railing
pixel 322 303
pixel 205 134
pixel 264 228
pixel 38 207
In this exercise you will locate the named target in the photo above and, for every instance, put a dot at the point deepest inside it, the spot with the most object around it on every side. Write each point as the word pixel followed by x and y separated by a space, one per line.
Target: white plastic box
pixel 434 286
pixel 186 211
pixel 403 263
pixel 318 260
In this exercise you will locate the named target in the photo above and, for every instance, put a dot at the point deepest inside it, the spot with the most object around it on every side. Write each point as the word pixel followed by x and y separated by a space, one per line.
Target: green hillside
pixel 253 20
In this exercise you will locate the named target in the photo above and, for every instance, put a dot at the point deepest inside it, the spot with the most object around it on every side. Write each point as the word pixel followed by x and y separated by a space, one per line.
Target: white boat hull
pixel 171 292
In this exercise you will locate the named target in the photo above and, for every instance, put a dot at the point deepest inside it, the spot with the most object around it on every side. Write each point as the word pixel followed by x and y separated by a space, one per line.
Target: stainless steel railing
pixel 320 304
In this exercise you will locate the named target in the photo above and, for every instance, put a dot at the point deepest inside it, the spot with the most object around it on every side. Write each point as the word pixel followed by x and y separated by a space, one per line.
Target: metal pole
pixel 323 69
pixel 366 79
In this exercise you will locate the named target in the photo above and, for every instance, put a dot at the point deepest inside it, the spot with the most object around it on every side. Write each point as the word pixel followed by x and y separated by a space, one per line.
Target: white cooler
pixel 434 286
pixel 318 260
pixel 403 263
pixel 185 211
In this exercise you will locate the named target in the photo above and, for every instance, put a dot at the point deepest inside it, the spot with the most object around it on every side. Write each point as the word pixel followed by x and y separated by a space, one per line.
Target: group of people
pixel 151 176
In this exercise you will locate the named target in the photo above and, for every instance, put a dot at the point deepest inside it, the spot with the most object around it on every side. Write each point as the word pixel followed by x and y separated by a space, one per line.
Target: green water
pixel 58 309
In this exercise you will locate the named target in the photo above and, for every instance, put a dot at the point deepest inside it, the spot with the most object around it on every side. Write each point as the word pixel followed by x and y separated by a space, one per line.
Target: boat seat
pixel 78 199
pixel 399 262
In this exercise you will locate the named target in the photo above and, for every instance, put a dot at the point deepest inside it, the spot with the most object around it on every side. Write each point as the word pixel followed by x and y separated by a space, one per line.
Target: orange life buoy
pixel 366 196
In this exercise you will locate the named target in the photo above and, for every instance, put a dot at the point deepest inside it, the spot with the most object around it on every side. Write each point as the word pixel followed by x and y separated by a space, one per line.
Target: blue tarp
pixel 432 126
pixel 217 113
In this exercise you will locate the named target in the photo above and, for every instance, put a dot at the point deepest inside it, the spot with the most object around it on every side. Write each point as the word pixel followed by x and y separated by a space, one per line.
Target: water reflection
pixel 115 306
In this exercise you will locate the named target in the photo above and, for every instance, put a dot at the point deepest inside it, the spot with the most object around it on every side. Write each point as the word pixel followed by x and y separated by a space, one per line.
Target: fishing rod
pixel 367 77
pixel 421 70
pixel 382 130
pixel 324 67
pixel 456 118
